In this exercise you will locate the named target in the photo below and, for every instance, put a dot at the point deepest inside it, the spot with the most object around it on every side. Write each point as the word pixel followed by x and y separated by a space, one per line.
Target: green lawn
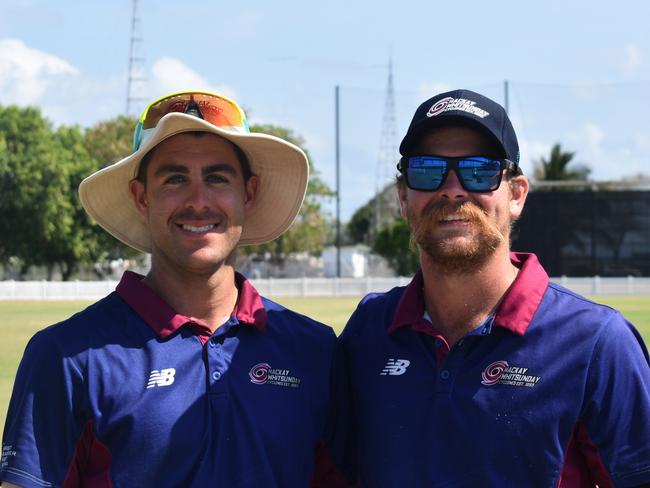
pixel 20 320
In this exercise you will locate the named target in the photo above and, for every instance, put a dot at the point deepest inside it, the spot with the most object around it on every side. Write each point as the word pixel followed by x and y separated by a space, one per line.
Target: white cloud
pixel 169 75
pixel 641 142
pixel 632 58
pixel 590 138
pixel 26 73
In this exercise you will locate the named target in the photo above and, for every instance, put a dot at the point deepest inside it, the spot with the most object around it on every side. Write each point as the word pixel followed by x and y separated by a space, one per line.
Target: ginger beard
pixel 451 254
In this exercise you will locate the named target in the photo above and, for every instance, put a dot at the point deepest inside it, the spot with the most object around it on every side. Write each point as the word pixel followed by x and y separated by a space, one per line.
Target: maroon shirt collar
pixel 164 320
pixel 514 313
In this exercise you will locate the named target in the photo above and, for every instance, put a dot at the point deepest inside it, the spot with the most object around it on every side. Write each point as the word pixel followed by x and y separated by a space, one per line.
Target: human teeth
pixel 204 228
pixel 451 218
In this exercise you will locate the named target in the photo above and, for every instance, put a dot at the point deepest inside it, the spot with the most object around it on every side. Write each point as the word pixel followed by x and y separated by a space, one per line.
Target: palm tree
pixel 556 166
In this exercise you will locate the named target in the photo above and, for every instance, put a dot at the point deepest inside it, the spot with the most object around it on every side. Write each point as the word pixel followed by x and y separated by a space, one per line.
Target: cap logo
pixel 461 104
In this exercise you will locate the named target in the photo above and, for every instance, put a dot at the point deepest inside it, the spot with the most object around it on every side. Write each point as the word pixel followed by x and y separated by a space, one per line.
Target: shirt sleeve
pixel 42 424
pixel 617 403
pixel 335 465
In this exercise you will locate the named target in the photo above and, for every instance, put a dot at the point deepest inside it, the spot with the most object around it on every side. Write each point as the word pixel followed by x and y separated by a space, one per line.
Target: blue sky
pixel 578 71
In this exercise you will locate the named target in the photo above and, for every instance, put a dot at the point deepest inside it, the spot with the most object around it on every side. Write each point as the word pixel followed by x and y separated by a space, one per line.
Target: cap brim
pixel 282 168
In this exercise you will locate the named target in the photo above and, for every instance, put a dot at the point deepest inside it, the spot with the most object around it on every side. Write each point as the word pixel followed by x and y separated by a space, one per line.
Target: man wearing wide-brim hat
pixel 186 376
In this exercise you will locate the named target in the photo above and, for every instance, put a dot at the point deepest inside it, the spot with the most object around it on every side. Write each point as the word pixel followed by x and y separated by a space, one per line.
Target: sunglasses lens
pixel 213 108
pixel 425 173
pixel 479 173
pixel 216 110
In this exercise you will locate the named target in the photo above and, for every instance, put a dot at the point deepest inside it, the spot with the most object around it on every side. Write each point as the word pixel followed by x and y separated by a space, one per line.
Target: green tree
pixel 107 142
pixel 308 231
pixel 359 227
pixel 556 166
pixel 73 241
pixel 41 222
pixel 110 140
pixel 393 242
pixel 362 225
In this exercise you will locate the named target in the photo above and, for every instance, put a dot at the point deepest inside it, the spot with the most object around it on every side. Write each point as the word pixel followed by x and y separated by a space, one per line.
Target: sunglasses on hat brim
pixel 477 174
pixel 216 109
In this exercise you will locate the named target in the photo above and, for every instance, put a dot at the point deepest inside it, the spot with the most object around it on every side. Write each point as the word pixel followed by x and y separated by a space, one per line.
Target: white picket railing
pixel 301 287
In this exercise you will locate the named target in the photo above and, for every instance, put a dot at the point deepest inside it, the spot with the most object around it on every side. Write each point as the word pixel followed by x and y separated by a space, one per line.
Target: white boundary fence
pixel 301 287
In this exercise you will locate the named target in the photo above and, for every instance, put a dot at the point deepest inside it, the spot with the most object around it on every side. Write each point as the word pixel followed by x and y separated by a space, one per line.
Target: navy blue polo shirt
pixel 130 393
pixel 553 390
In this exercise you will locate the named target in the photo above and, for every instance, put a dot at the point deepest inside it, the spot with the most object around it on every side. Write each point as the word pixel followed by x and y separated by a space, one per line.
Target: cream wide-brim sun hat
pixel 282 168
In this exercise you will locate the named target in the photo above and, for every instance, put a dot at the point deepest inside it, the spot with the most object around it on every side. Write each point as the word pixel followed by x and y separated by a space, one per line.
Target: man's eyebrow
pixel 171 168
pixel 179 168
pixel 219 168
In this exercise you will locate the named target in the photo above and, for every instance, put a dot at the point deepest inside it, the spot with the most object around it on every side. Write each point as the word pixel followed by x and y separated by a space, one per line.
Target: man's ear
pixel 252 187
pixel 139 195
pixel 519 187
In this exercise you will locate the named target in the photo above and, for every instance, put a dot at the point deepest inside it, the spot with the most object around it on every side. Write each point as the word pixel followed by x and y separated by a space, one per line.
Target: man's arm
pixel 41 429
pixel 335 453
pixel 617 403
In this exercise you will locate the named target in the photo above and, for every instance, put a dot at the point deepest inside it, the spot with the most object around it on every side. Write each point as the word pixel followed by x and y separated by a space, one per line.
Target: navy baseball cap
pixel 463 108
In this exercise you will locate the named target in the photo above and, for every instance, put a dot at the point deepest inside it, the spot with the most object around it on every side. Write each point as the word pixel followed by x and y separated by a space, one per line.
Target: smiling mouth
pixel 453 218
pixel 198 230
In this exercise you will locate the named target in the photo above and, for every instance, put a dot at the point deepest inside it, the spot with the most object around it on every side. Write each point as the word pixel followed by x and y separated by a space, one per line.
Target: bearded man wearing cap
pixel 185 376
pixel 481 372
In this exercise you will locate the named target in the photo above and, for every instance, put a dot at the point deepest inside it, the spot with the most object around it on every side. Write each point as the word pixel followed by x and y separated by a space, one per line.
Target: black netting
pixel 587 233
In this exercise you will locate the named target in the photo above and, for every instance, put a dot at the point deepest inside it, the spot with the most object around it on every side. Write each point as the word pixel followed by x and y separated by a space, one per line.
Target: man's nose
pixel 198 196
pixel 451 188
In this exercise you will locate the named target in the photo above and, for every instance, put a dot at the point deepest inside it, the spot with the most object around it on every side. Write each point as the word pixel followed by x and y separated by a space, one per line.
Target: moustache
pixel 190 214
pixel 436 211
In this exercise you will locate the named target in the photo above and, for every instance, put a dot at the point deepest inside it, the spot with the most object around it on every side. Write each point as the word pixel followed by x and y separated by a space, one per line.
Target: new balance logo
pixel 395 367
pixel 164 377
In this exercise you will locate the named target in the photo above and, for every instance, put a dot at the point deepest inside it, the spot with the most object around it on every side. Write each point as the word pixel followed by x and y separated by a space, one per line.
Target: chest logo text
pixel 502 373
pixel 264 374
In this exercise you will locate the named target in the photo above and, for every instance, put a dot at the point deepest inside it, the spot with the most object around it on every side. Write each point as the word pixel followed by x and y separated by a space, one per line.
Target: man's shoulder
pixel 379 303
pixel 588 320
pixel 85 322
pixel 375 312
pixel 561 301
pixel 288 321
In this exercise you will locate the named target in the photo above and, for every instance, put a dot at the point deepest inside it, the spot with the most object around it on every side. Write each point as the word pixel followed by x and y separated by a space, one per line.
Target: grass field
pixel 20 320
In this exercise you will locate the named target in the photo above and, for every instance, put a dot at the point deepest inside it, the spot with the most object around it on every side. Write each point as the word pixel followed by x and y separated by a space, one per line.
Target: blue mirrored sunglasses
pixel 475 173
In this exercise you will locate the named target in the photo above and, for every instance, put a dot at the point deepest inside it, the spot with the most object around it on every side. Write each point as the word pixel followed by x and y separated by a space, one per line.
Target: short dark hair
pixel 241 157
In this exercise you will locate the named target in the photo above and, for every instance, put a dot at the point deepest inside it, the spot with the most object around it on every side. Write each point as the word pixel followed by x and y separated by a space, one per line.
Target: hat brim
pixel 282 168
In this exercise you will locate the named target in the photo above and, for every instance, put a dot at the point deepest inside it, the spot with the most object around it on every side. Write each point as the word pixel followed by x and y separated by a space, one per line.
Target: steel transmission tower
pixel 136 76
pixel 387 154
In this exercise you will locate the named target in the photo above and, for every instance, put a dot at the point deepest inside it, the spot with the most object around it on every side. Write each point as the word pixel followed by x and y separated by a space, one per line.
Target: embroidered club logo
pixel 264 374
pixel 164 377
pixel 461 104
pixel 259 373
pixel 493 372
pixel 395 367
pixel 502 373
